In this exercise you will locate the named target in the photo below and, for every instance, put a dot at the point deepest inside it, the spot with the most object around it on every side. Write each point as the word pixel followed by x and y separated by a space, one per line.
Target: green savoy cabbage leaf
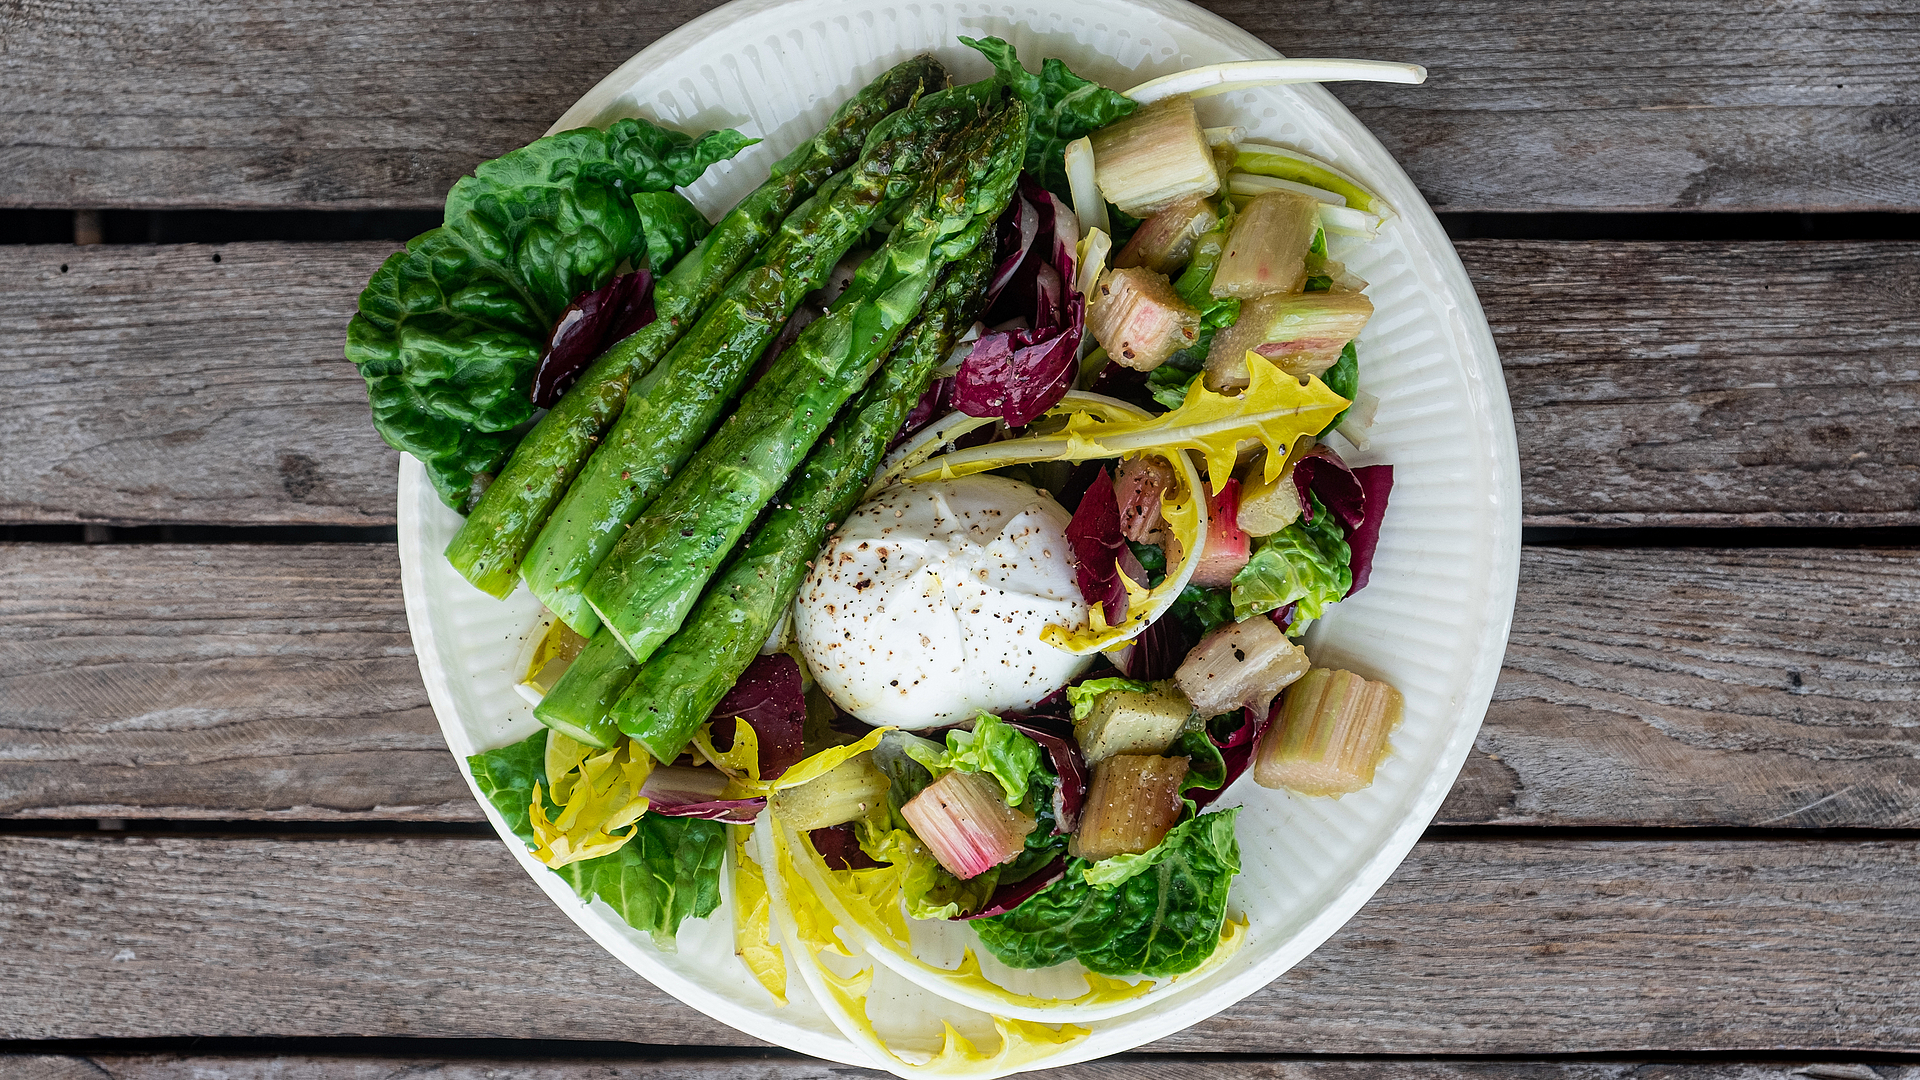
pixel 1155 914
pixel 994 747
pixel 449 330
pixel 669 872
pixel 1063 107
pixel 1305 564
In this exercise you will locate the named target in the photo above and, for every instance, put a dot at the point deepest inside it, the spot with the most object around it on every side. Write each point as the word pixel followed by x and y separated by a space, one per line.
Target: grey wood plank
pixel 1507 947
pixel 1653 384
pixel 1640 104
pixel 1124 1067
pixel 1668 687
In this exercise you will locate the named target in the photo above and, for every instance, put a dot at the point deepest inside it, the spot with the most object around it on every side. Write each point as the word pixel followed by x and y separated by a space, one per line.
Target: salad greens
pixel 669 872
pixel 1305 564
pixel 449 330
pixel 1083 696
pixel 1063 106
pixel 1342 378
pixel 1157 913
pixel 993 747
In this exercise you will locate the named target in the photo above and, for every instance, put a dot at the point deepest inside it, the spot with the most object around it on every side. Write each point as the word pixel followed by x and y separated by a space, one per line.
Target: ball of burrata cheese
pixel 927 607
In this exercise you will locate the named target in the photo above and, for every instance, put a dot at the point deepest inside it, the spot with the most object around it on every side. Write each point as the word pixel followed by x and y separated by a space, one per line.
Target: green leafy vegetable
pixel 994 747
pixel 1343 378
pixel 669 872
pixel 1084 695
pixel 1304 564
pixel 1155 914
pixel 672 227
pixel 1202 611
pixel 1063 107
pixel 930 892
pixel 449 330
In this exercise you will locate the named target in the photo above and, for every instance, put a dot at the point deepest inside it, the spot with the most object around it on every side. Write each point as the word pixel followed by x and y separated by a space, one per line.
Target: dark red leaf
pixel 1055 736
pixel 733 811
pixel 769 697
pixel 1018 375
pixel 1007 897
pixel 1159 649
pixel 593 322
pixel 840 848
pixel 1236 750
pixel 1321 472
pixel 1095 537
pixel 1377 482
pixel 935 403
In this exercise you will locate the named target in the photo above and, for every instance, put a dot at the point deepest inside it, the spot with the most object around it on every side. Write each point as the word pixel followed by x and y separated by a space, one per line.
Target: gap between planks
pixel 1735 384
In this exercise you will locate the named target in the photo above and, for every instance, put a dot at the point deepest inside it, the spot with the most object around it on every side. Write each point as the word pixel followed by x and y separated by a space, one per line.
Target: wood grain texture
pixel 1646 688
pixel 1510 947
pixel 1652 384
pixel 1124 1067
pixel 1640 104
pixel 1710 384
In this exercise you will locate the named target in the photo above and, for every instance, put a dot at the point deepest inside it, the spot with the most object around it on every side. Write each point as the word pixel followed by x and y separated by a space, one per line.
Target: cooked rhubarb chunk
pixel 1154 158
pixel 1138 488
pixel 1330 735
pixel 1133 801
pixel 1302 333
pixel 1132 722
pixel 1228 546
pixel 1164 242
pixel 1243 665
pixel 1137 317
pixel 1266 251
pixel 965 821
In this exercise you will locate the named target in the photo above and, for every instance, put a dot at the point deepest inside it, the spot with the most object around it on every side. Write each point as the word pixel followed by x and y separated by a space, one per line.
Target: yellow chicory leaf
pixel 1275 409
pixel 752 920
pixel 603 796
pixel 1180 509
pixel 742 762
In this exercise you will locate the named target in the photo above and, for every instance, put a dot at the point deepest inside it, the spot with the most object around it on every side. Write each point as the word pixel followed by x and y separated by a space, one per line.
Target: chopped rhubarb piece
pixel 1330 735
pixel 1240 666
pixel 1139 486
pixel 964 819
pixel 1132 804
pixel 1266 508
pixel 1227 547
pixel 1301 333
pixel 1266 251
pixel 1137 317
pixel 1132 722
pixel 1164 242
pixel 1154 158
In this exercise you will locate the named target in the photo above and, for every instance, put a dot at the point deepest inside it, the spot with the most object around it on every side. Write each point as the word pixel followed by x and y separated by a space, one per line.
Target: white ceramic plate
pixel 1433 621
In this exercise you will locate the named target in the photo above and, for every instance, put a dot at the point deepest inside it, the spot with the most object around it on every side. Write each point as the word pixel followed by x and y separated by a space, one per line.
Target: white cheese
pixel 927 606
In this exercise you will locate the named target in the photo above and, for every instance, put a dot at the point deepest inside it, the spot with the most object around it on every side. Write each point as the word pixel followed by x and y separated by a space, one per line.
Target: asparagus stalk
pixel 679 685
pixel 579 704
pixel 489 547
pixel 653 578
pixel 670 410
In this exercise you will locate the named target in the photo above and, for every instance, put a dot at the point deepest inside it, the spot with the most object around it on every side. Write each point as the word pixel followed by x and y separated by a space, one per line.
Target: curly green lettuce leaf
pixel 1155 914
pixel 994 747
pixel 669 872
pixel 1063 107
pixel 1084 695
pixel 1305 564
pixel 448 331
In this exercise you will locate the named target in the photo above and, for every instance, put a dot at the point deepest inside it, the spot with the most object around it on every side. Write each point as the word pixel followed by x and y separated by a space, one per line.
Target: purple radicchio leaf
pixel 592 323
pixel 1377 482
pixel 1357 497
pixel 840 848
pixel 1099 547
pixel 1159 649
pixel 1055 736
pixel 1236 751
pixel 1007 897
pixel 769 697
pixel 1018 375
pixel 935 403
pixel 676 791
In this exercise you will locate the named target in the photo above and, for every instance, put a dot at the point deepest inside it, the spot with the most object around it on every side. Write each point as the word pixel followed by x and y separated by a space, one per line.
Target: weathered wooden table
pixel 234 846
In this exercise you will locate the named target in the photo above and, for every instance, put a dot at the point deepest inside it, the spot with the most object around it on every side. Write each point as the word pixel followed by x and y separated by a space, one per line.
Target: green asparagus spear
pixel 671 409
pixel 496 535
pixel 678 687
pixel 578 705
pixel 652 579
